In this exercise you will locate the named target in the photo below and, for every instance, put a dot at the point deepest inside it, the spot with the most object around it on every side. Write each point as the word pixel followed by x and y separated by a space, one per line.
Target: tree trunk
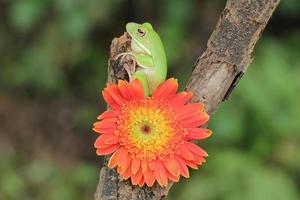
pixel 216 73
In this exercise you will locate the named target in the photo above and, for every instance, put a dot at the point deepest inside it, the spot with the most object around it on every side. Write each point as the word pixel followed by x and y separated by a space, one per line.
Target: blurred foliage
pixel 58 50
pixel 42 179
pixel 255 147
pixel 233 176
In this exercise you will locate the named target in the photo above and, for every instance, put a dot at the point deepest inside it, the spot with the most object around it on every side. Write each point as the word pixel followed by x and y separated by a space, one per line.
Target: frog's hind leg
pixel 141 76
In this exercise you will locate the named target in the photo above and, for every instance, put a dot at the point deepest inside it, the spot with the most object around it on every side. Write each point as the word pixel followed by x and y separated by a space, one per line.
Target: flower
pixel 150 136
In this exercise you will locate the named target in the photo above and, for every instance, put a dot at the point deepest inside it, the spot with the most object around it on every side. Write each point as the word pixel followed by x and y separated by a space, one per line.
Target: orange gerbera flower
pixel 149 136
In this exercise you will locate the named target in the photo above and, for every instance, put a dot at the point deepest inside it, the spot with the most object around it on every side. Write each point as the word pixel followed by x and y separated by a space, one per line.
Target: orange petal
pixel 126 90
pixel 127 174
pixel 115 93
pixel 113 96
pixel 142 182
pixel 124 160
pixel 144 165
pixel 149 177
pixel 108 114
pixel 198 160
pixel 107 123
pixel 185 153
pixel 108 99
pixel 195 120
pixel 136 178
pixel 193 115
pixel 191 164
pixel 112 140
pixel 113 161
pixel 189 109
pixel 101 141
pixel 172 177
pixel 160 173
pixel 104 131
pixel 180 99
pixel 195 149
pixel 138 89
pixel 135 165
pixel 166 90
pixel 197 133
pixel 182 167
pixel 172 166
pixel 107 150
pixel 105 126
pixel 151 164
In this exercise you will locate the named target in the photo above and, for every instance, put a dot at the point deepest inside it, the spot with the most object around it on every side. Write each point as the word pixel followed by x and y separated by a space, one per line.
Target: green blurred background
pixel 53 61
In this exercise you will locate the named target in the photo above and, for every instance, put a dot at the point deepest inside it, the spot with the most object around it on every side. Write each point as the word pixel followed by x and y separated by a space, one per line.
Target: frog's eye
pixel 141 32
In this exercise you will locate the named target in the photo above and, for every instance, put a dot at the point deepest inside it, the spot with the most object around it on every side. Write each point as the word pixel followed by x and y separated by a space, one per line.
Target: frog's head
pixel 142 35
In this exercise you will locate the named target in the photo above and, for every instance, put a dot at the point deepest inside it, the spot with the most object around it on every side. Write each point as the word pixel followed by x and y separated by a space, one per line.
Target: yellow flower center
pixel 149 129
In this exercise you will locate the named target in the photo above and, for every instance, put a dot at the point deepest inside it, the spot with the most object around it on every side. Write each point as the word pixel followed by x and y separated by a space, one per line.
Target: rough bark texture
pixel 216 73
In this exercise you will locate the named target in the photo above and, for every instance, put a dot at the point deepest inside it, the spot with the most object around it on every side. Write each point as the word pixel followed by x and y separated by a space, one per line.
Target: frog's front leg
pixel 144 63
pixel 130 69
pixel 137 70
pixel 138 60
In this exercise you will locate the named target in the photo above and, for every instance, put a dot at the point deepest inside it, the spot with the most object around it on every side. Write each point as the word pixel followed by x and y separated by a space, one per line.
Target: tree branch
pixel 216 73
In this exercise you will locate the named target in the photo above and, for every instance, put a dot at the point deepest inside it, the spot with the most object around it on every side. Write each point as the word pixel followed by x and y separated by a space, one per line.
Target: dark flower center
pixel 146 129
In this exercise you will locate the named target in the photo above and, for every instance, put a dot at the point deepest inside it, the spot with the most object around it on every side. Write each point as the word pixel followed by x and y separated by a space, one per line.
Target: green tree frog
pixel 147 51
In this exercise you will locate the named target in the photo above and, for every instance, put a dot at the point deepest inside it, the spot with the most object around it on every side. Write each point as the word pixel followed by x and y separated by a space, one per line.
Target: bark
pixel 216 73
